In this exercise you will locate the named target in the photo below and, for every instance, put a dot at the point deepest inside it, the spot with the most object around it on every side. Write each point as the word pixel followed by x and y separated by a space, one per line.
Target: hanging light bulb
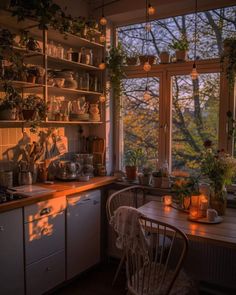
pixel 102 98
pixel 102 38
pixel 148 27
pixel 151 9
pixel 194 73
pixel 102 65
pixel 103 21
pixel 147 67
pixel 146 95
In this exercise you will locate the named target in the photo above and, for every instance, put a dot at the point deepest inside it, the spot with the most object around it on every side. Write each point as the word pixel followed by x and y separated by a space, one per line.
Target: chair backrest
pixel 156 272
pixel 124 197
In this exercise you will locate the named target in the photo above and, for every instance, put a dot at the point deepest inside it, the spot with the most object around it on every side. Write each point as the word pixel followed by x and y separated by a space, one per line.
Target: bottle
pixel 89 57
pixel 83 57
pixel 69 54
pixel 60 51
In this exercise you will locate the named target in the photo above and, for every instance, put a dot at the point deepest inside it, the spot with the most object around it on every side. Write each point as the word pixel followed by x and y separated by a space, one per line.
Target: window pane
pixel 140 118
pixel 212 28
pixel 195 118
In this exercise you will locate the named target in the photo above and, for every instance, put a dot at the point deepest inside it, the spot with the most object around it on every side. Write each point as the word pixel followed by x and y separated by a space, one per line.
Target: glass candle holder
pixel 193 212
pixel 195 201
pixel 167 200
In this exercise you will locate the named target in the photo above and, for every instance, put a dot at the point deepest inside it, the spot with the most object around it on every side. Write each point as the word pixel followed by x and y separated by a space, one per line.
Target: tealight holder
pixel 193 212
pixel 167 200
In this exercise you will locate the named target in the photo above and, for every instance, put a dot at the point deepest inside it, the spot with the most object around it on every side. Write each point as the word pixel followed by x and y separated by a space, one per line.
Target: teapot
pixel 68 170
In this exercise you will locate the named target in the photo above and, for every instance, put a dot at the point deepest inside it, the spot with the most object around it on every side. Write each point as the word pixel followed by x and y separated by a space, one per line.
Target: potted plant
pixel 219 168
pixel 145 176
pixel 181 47
pixel 147 58
pixel 229 55
pixel 115 62
pixel 10 103
pixel 132 59
pixel 132 160
pixel 34 108
pixel 156 178
pixel 164 56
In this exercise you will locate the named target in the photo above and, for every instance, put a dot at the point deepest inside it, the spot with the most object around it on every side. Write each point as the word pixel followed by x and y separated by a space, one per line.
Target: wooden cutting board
pixel 98 150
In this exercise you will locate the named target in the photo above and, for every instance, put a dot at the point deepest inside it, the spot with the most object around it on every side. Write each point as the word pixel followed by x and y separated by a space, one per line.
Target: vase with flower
pixel 219 167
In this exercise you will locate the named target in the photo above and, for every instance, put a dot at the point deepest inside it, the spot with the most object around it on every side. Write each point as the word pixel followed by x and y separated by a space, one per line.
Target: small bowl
pixel 59 82
pixel 84 178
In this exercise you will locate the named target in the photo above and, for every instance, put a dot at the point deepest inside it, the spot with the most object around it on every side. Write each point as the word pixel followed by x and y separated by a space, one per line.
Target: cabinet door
pixel 44 237
pixel 11 253
pixel 45 274
pixel 83 234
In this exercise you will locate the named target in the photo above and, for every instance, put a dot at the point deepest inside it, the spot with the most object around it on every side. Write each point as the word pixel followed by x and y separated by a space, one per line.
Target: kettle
pixel 68 170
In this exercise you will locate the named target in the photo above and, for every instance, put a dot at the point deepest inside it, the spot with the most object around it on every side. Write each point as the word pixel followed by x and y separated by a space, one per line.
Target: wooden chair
pixel 156 271
pixel 124 197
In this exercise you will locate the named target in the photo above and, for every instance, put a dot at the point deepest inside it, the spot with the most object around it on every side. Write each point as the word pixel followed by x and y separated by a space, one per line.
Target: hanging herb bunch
pixel 115 61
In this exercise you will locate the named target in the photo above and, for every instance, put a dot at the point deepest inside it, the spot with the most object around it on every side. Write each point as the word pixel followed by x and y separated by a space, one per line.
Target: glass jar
pixel 60 51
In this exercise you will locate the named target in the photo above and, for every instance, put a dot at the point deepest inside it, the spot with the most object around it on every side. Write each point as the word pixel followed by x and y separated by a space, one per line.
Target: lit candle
pixel 193 212
pixel 195 201
pixel 167 200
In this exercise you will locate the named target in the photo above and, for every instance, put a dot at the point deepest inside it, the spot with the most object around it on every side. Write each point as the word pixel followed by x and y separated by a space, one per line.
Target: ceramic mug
pixel 211 215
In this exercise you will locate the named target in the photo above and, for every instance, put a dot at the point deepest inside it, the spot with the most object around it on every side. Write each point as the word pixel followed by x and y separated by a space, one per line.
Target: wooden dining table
pixel 212 247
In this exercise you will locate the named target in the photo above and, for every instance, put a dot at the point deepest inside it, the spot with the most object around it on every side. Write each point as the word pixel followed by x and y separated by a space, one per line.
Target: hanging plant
pixel 229 56
pixel 115 61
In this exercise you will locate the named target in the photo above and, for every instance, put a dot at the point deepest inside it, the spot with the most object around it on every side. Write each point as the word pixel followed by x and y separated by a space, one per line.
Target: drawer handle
pixel 1 228
pixel 48 269
pixel 45 211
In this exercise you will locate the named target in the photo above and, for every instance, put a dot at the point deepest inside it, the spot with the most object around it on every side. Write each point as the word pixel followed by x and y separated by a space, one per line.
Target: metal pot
pixel 68 170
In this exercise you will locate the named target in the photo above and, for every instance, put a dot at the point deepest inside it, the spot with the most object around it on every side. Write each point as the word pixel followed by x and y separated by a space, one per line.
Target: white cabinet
pixel 44 245
pixel 11 253
pixel 83 231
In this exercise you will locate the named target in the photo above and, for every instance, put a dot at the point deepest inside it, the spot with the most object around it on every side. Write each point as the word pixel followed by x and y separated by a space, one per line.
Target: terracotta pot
pixel 28 114
pixel 131 172
pixel 164 57
pixel 150 58
pixel 8 114
pixel 181 55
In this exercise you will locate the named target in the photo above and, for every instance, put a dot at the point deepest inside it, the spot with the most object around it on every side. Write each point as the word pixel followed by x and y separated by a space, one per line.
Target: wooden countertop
pixel 61 189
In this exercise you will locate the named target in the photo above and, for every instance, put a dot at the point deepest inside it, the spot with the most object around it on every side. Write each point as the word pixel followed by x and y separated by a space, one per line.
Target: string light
pixel 147 67
pixel 151 9
pixel 103 20
pixel 102 65
pixel 102 98
pixel 194 73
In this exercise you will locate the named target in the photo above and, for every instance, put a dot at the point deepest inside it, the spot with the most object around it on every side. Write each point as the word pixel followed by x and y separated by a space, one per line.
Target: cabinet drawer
pixel 45 274
pixel 44 208
pixel 44 237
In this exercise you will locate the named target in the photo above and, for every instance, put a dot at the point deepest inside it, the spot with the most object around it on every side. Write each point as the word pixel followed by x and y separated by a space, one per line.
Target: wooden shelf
pixel 58 63
pixel 72 122
pixel 22 123
pixel 73 92
pixel 33 87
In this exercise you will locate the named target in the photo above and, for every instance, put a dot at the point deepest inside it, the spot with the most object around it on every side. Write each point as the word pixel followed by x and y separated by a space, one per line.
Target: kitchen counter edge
pixel 61 189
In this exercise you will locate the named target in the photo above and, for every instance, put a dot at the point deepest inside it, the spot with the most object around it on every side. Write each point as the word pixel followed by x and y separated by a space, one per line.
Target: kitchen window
pixel 172 141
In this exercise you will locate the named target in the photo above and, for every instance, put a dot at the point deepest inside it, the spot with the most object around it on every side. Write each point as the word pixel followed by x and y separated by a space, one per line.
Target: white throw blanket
pixel 130 235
